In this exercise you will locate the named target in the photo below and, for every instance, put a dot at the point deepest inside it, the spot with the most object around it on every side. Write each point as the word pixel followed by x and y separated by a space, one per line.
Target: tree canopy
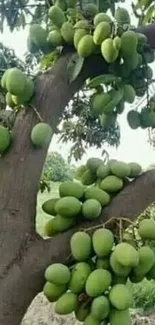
pixel 88 52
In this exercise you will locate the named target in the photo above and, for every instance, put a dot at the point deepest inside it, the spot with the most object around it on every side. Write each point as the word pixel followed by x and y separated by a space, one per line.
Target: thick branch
pixel 129 203
pixel 149 32
pixel 35 257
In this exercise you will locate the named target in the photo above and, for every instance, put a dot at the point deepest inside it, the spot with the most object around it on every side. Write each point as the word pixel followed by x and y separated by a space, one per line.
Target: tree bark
pixel 20 171
pixel 23 254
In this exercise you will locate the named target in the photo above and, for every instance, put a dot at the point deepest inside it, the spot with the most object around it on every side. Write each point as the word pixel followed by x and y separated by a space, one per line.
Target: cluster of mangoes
pixel 145 118
pixel 95 287
pixel 91 32
pixel 19 87
pixel 97 183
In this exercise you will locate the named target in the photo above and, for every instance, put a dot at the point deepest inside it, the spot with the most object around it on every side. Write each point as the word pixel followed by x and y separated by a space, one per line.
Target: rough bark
pixel 23 254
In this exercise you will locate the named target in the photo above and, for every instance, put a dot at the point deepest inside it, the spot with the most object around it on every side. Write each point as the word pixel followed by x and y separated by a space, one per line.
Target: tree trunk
pixel 23 254
pixel 20 171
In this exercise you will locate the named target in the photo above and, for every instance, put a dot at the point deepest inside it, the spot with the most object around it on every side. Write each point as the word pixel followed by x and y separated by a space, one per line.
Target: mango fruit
pixel 91 209
pixel 57 16
pixel 118 268
pixel 57 273
pixel 120 169
pixel 68 206
pixel 81 246
pixel 15 81
pixel 146 261
pixel 120 297
pixel 79 275
pixel 98 282
pixel 122 16
pixel 133 118
pixel 41 134
pixel 126 255
pixel 53 291
pixel 103 170
pixel 102 31
pixel 85 46
pixel 66 304
pixel 95 193
pixel 109 52
pixel 120 317
pixel 93 164
pixel 100 308
pixel 55 38
pixel 5 139
pixel 67 32
pixel 111 184
pixel 129 94
pixel 69 188
pixel 146 229
pixel 101 17
pixel 103 241
pixel 90 10
pixel 49 206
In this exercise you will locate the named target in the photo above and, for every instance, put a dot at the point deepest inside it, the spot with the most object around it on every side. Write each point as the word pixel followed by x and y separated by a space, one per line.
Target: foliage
pixel 56 169
pixel 82 127
pixel 143 294
pixel 20 13
pixel 84 130
pixel 144 11
pixel 44 184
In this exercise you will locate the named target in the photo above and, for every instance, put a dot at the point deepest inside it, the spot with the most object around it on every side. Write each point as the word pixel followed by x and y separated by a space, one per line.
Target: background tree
pixel 23 254
pixel 56 169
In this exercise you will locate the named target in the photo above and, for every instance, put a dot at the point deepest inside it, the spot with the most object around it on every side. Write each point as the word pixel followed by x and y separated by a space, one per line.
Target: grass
pixel 42 217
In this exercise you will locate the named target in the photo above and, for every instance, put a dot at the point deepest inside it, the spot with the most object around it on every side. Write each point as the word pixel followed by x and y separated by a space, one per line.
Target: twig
pixel 37 113
pixel 121 229
pixel 107 222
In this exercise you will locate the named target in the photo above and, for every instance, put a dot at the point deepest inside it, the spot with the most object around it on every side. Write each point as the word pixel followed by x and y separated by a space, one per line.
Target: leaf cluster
pixel 83 129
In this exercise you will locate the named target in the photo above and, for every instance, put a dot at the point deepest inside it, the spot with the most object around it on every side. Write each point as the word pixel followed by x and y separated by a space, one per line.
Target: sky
pixel 134 143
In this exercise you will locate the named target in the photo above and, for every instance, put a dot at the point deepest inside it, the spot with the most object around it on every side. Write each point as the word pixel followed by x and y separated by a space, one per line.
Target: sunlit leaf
pixel 74 67
pixel 149 14
pixel 102 79
pixel 143 3
pixel 47 60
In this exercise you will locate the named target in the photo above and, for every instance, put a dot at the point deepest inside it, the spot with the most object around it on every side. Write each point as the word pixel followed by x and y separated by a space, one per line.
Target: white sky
pixel 134 144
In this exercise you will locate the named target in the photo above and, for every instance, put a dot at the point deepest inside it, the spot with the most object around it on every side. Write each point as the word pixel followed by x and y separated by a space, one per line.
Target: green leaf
pixel 143 3
pixel 103 79
pixel 116 98
pixel 22 20
pixel 48 60
pixel 104 5
pixel 149 14
pixel 74 67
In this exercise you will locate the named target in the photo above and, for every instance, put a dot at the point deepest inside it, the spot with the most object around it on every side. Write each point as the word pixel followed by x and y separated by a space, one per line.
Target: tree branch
pixel 39 253
pixel 149 32
pixel 129 203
